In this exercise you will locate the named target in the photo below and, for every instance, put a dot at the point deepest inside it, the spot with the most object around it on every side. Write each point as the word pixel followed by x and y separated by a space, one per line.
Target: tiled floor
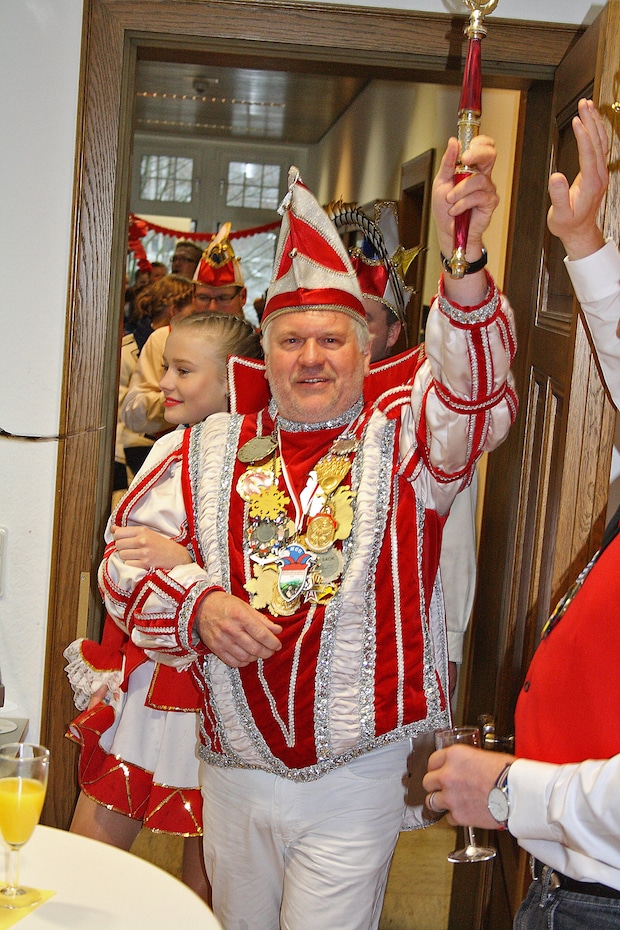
pixel 418 890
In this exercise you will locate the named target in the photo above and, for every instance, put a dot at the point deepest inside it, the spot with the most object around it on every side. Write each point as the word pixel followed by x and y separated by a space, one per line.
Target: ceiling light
pixel 200 84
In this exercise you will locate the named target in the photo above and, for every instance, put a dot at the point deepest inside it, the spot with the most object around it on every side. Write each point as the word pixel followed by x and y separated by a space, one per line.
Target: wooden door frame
pixel 423 47
pixel 416 183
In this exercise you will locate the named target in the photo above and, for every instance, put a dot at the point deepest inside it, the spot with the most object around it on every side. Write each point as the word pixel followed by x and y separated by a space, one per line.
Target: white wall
pixel 39 69
pixel 390 123
pixel 39 62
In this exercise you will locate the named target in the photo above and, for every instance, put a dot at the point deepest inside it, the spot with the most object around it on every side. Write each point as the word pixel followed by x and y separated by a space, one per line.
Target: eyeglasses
pixel 184 258
pixel 219 300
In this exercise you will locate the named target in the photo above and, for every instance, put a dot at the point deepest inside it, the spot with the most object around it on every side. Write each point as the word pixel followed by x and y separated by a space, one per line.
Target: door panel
pixel 547 486
pixel 416 185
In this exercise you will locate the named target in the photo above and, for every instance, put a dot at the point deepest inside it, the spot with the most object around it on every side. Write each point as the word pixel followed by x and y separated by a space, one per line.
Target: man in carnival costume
pixel 219 286
pixel 315 627
pixel 219 279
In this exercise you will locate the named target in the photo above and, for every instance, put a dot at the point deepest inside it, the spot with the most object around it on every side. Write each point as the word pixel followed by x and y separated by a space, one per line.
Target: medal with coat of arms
pixel 296 560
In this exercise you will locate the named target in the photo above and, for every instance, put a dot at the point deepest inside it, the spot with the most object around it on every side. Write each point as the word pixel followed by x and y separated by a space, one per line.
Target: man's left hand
pixel 461 777
pixel 476 192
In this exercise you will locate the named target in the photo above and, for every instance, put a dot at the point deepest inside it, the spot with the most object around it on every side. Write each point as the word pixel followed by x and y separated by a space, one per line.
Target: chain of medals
pixel 298 559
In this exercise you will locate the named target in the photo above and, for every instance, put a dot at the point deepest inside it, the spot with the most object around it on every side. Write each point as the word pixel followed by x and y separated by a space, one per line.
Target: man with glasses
pixel 313 621
pixel 185 258
pixel 218 277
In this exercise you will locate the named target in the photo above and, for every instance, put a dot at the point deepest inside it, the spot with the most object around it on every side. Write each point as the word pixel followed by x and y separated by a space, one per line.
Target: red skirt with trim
pixel 140 760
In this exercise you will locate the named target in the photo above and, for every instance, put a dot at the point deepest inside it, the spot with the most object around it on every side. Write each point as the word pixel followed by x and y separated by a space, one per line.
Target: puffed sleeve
pixel 462 400
pixel 156 607
pixel 142 409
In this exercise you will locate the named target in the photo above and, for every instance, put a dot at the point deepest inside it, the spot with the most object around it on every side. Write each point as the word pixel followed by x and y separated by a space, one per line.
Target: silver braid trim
pixel 475 316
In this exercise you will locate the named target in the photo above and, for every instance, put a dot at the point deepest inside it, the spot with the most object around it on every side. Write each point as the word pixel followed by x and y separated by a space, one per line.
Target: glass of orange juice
pixel 23 780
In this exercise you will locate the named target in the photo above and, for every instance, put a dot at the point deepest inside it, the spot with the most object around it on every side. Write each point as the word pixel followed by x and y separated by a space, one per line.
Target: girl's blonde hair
pixel 226 334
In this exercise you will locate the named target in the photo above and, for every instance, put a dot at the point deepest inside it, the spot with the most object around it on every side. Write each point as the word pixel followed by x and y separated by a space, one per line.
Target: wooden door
pixel 547 486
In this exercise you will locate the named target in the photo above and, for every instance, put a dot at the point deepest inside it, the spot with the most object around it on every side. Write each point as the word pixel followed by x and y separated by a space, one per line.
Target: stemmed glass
pixel 470 735
pixel 23 780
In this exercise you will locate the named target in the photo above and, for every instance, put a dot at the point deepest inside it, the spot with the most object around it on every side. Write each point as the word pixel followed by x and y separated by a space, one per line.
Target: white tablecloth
pixel 99 887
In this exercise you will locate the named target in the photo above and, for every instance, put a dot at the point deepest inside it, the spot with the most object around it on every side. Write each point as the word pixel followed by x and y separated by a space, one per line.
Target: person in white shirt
pixel 218 287
pixel 559 797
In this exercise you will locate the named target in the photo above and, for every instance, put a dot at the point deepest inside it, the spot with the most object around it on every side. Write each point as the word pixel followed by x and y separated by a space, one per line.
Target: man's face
pixel 229 299
pixel 184 262
pixel 384 329
pixel 314 364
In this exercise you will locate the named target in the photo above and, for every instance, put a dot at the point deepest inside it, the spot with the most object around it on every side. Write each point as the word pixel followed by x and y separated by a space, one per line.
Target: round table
pixel 100 887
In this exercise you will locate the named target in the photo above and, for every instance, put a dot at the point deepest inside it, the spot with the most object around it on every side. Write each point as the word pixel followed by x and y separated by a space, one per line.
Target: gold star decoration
pixel 269 504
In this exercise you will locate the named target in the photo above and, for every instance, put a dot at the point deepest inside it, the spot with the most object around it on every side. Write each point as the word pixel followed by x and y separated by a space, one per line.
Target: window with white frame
pixel 166 178
pixel 252 185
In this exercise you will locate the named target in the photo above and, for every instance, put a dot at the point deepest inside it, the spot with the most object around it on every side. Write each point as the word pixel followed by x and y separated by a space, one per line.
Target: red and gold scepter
pixel 470 111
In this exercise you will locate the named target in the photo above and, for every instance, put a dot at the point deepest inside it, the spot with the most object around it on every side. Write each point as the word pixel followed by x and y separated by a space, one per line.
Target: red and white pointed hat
pixel 219 266
pixel 312 270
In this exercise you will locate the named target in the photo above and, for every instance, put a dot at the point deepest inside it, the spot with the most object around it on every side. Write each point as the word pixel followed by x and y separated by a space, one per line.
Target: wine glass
pixel 470 735
pixel 23 780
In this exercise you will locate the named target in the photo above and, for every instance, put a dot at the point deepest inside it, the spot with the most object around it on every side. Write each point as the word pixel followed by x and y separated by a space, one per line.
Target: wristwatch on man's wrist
pixel 471 267
pixel 498 801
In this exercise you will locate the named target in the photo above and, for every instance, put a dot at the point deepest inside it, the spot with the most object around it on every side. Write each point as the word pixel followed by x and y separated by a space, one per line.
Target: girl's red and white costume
pixel 138 752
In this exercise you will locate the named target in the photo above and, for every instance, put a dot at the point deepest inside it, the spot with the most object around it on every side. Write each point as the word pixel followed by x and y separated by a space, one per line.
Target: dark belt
pixel 541 871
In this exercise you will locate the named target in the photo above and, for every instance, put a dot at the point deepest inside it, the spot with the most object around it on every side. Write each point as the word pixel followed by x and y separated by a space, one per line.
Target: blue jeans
pixel 553 909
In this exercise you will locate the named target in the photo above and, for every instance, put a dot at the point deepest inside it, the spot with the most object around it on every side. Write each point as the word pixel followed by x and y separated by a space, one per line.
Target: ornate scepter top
pixel 470 110
pixel 476 28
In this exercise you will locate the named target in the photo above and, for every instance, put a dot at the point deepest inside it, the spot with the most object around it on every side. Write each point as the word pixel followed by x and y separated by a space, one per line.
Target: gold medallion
pixel 341 505
pixel 269 504
pixel 345 446
pixel 321 532
pixel 253 481
pixel 261 586
pixel 280 607
pixel 329 566
pixel 257 449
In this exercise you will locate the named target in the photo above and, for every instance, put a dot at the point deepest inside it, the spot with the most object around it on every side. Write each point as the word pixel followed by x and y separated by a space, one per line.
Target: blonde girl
pixel 137 729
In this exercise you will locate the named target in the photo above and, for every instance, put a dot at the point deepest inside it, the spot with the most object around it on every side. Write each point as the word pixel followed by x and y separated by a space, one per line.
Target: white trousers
pixel 285 855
